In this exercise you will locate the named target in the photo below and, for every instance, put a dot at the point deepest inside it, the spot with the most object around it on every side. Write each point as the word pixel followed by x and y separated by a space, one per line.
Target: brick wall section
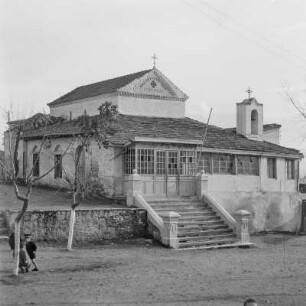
pixel 95 225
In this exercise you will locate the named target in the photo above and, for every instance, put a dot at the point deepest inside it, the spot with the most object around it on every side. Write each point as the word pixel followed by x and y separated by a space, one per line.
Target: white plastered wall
pixel 151 107
pixel 78 107
pixel 109 163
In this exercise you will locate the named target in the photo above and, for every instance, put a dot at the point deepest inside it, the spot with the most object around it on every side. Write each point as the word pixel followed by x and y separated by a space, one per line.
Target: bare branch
pixel 295 105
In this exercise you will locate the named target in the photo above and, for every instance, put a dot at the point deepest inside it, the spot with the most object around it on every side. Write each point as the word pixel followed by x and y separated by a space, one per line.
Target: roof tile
pixel 171 128
pixel 98 88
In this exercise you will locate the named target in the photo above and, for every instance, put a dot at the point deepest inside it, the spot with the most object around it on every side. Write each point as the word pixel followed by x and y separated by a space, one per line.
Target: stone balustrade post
pixel 133 187
pixel 202 184
pixel 169 235
pixel 242 225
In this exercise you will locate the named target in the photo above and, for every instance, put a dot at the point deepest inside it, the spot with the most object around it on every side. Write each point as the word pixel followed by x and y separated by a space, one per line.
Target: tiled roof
pixel 271 126
pixel 184 129
pixel 98 88
pixel 266 127
pixel 249 101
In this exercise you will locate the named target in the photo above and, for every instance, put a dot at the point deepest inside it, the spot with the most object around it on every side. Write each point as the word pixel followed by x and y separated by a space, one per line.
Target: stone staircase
pixel 199 226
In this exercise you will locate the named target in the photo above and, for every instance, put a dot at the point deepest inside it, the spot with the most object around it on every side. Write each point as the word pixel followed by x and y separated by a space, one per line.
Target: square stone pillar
pixel 133 187
pixel 202 184
pixel 169 235
pixel 242 225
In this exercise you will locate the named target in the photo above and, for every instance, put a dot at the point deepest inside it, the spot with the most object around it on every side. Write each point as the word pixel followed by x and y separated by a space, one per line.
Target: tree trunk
pixel 71 227
pixel 17 247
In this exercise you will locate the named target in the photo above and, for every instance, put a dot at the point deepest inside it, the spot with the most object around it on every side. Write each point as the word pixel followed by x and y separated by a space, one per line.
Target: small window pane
pixel 145 163
pixel 188 163
pixel 129 161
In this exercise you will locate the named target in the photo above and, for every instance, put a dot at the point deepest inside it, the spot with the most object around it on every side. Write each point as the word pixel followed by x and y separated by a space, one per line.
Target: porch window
pixel 290 170
pixel 223 163
pixel 204 162
pixel 145 163
pixel 160 162
pixel 271 165
pixel 129 161
pixel 188 163
pixel 35 164
pixel 247 165
pixel 172 163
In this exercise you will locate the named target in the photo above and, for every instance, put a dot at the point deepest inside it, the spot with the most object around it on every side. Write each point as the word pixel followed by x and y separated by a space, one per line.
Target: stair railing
pixel 220 210
pixel 166 225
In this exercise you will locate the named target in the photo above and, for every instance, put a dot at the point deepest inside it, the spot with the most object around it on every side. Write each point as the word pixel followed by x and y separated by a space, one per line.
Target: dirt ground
pixel 141 273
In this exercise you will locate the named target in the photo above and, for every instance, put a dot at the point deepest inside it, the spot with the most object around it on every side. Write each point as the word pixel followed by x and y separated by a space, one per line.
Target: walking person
pixel 31 250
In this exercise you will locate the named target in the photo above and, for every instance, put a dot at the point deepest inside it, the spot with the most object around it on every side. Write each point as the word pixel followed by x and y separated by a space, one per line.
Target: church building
pixel 244 167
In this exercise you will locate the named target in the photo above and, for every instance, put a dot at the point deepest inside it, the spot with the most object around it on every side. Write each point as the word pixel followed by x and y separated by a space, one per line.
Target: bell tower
pixel 249 118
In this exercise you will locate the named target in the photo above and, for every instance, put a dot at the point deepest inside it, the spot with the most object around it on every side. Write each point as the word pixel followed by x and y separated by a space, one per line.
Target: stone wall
pixel 270 211
pixel 96 225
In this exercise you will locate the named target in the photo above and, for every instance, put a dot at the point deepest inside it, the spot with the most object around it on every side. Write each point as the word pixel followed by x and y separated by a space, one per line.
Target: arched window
pixel 58 164
pixel 36 161
pixel 254 122
pixel 58 150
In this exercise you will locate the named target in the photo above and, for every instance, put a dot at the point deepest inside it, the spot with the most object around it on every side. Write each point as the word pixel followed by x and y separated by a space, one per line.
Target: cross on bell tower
pixel 154 57
pixel 249 91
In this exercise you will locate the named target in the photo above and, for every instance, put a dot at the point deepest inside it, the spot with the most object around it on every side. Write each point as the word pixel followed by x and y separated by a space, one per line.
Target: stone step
pixel 182 208
pixel 195 227
pixel 200 223
pixel 192 214
pixel 199 218
pixel 197 213
pixel 171 199
pixel 192 232
pixel 217 246
pixel 179 204
pixel 207 237
pixel 224 241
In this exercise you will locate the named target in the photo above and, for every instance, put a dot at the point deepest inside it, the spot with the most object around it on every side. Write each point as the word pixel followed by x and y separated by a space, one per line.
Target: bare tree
pixel 15 135
pixel 98 129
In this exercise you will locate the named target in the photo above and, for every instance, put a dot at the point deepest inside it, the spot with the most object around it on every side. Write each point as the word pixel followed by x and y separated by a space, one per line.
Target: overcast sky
pixel 211 49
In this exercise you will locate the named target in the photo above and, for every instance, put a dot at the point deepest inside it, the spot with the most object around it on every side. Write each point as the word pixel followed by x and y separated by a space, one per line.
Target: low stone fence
pixel 94 225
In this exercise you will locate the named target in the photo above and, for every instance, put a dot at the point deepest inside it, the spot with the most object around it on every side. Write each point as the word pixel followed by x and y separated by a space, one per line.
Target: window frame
pixel 187 161
pixel 290 169
pixel 129 162
pixel 247 165
pixel 272 168
pixel 145 161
